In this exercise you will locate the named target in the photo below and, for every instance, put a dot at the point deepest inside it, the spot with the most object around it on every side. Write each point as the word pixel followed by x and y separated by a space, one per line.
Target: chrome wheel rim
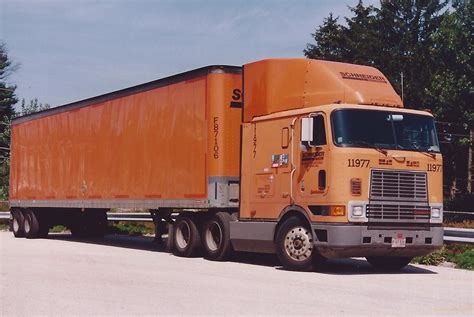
pixel 183 235
pixel 27 224
pixel 16 225
pixel 213 236
pixel 299 244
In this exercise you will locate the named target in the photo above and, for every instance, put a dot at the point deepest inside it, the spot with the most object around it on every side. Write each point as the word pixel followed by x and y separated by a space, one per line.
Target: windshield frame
pixel 391 112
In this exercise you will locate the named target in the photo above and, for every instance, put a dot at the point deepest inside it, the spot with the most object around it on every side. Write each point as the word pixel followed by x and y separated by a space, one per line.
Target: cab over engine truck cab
pixel 309 159
pixel 333 166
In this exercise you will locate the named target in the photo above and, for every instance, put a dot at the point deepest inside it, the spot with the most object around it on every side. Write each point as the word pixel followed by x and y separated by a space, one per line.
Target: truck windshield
pixel 384 130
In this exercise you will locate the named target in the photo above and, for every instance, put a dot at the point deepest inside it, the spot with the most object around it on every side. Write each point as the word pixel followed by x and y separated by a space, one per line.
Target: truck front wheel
pixel 18 222
pixel 186 236
pixel 389 263
pixel 294 245
pixel 216 237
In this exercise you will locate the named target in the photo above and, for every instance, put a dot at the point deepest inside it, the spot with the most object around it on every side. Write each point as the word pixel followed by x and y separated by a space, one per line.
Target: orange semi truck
pixel 305 158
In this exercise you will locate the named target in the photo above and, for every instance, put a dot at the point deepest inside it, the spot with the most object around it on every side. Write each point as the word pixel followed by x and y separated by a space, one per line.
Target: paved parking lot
pixel 130 276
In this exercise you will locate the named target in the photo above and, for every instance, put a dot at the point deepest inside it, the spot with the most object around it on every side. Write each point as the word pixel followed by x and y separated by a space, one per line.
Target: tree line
pixel 8 99
pixel 427 44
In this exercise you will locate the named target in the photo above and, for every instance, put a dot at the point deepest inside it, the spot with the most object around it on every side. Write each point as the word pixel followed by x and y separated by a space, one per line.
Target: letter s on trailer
pixel 306 158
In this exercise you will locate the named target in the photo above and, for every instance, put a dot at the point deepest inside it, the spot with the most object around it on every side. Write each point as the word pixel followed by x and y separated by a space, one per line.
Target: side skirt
pixel 250 236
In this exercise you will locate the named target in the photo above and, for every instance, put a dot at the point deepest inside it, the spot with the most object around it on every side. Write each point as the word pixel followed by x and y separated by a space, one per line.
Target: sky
pixel 74 49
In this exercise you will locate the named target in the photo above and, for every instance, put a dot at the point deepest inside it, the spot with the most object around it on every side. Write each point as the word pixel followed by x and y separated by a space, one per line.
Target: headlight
pixel 357 211
pixel 436 212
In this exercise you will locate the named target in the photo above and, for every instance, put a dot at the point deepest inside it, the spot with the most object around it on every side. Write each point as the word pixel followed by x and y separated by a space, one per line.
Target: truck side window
pixel 322 180
pixel 319 131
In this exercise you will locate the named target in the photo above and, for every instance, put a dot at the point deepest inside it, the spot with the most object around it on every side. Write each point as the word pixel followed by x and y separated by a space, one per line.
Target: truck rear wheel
pixel 186 236
pixel 294 245
pixel 389 263
pixel 216 237
pixel 18 223
pixel 32 226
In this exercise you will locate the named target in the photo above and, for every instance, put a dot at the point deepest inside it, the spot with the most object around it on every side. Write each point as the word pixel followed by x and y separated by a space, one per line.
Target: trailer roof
pixel 131 90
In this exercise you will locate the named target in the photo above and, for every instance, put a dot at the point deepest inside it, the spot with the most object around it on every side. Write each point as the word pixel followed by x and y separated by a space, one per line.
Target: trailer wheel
pixel 18 223
pixel 294 245
pixel 186 236
pixel 216 237
pixel 32 226
pixel 389 263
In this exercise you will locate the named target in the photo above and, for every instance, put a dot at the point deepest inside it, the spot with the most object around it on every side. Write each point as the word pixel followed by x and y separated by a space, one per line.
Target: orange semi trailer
pixel 306 158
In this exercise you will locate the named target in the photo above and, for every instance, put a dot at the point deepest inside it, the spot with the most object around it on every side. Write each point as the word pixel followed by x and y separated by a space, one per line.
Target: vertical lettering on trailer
pixel 254 140
pixel 216 133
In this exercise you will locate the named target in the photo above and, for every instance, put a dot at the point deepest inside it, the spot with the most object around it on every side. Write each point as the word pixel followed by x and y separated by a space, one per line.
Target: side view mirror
pixel 395 117
pixel 307 129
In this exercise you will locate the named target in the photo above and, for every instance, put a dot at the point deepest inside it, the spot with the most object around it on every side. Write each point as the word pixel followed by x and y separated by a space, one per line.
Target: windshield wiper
pixel 371 146
pixel 427 153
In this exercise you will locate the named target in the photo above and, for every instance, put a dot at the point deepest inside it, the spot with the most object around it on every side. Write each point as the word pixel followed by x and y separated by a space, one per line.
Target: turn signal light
pixel 337 211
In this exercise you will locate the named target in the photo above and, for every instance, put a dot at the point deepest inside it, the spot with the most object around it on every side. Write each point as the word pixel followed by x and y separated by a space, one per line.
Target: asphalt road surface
pixel 130 276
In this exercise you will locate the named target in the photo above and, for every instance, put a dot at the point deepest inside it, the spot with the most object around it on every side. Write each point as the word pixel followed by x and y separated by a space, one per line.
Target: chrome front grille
pixel 398 196
pixel 395 212
pixel 398 186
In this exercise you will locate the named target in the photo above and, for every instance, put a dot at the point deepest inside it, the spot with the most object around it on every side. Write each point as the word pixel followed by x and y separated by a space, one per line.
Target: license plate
pixel 398 242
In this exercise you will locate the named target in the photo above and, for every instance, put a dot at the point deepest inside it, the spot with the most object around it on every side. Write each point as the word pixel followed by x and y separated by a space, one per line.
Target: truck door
pixel 313 168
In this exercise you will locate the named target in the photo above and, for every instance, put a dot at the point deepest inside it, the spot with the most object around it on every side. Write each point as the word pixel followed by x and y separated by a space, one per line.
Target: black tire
pixel 170 239
pixel 216 237
pixel 18 224
pixel 32 225
pixel 389 263
pixel 186 237
pixel 294 245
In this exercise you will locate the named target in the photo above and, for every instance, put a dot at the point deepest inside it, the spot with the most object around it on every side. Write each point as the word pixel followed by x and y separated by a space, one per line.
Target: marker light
pixel 337 211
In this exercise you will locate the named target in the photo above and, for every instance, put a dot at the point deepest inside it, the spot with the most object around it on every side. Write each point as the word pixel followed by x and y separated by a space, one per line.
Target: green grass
pixel 4 226
pixel 460 254
pixel 435 258
pixel 465 260
pixel 58 229
pixel 131 228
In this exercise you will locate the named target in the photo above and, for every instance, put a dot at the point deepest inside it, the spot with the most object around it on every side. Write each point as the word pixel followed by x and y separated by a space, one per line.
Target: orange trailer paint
pixel 110 152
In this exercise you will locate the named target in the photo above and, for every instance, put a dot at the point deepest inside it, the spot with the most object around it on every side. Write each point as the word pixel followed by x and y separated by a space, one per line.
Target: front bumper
pixel 338 241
